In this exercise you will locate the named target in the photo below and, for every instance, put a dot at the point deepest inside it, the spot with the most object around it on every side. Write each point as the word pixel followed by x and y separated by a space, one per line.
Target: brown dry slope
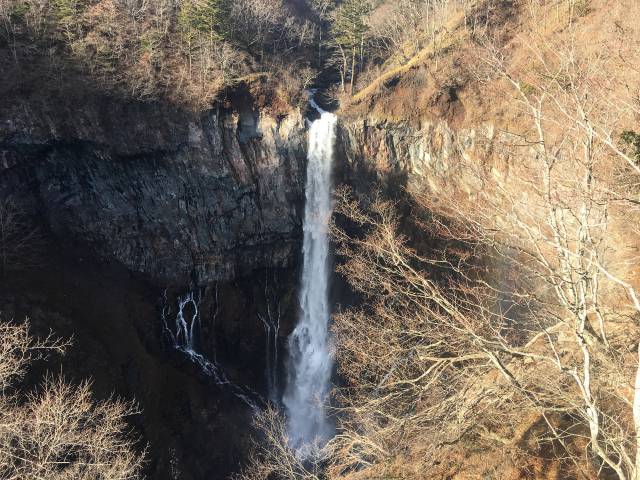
pixel 511 126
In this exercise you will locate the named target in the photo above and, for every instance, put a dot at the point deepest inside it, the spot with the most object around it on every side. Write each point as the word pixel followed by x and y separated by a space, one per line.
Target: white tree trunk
pixel 636 419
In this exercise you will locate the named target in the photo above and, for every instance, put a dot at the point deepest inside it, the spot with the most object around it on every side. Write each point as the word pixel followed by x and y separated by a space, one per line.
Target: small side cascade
pixel 271 326
pixel 182 332
pixel 183 337
pixel 270 316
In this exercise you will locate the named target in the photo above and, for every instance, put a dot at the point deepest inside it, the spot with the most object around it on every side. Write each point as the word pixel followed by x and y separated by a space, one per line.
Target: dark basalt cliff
pixel 170 195
pixel 131 198
pixel 134 197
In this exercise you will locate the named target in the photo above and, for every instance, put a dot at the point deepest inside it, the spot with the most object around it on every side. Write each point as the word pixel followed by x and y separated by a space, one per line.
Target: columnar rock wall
pixel 176 197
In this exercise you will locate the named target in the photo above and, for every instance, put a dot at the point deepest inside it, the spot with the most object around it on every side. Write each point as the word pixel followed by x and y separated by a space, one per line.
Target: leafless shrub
pixel 273 458
pixel 18 349
pixel 290 82
pixel 58 431
pixel 414 358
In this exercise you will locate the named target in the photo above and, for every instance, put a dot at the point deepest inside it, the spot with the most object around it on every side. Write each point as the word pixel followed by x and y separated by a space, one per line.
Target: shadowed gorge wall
pixel 167 194
pixel 131 199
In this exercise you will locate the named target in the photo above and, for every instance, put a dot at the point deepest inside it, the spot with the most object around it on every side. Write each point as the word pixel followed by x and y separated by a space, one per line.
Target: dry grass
pixel 416 90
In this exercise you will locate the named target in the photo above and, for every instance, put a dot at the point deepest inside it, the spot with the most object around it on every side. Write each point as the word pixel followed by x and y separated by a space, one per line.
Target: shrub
pixel 58 432
pixel 631 140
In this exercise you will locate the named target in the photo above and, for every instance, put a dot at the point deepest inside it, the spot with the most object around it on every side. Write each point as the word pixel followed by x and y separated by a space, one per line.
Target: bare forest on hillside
pixel 186 51
pixel 190 51
pixel 498 336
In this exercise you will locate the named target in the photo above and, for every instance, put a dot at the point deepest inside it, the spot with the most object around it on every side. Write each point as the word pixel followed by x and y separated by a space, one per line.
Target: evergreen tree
pixel 67 14
pixel 349 32
pixel 210 16
pixel 203 17
pixel 198 18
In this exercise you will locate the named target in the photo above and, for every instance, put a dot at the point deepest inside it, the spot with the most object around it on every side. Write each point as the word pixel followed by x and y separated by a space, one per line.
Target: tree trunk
pixel 353 68
pixel 636 418
pixel 343 70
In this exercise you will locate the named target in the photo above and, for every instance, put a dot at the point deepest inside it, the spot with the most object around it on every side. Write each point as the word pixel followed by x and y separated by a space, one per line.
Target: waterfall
pixel 181 332
pixel 310 364
pixel 272 332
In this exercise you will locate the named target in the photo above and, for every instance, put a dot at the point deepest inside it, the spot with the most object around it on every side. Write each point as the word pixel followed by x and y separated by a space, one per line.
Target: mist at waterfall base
pixel 309 364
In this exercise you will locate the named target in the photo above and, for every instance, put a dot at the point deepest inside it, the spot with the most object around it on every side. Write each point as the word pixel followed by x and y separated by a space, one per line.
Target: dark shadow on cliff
pixel 113 321
pixel 194 429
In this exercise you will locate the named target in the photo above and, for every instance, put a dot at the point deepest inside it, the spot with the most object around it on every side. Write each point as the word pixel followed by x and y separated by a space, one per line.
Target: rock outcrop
pixel 176 197
pixel 415 155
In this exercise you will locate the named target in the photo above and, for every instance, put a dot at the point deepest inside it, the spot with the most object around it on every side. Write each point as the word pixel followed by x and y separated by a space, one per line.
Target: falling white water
pixel 182 335
pixel 310 362
pixel 272 332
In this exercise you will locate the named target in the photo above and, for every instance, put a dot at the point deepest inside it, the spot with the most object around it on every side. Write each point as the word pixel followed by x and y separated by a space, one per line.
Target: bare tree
pixel 564 221
pixel 418 356
pixel 526 315
pixel 272 456
pixel 574 227
pixel 58 431
pixel 265 25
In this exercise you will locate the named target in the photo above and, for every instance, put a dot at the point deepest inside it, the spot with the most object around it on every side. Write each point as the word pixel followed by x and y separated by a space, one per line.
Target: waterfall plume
pixel 310 364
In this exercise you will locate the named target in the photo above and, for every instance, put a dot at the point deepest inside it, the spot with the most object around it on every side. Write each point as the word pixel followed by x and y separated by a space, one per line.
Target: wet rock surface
pixel 192 428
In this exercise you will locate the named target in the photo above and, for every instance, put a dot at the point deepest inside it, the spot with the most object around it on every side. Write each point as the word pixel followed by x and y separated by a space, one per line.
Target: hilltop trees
pixel 186 50
pixel 349 29
pixel 68 16
pixel 323 9
pixel 204 16
pixel 268 26
pixel 202 27
pixel 200 18
pixel 190 50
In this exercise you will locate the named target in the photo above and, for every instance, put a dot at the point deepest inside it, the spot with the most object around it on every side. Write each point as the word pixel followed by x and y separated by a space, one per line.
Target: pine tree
pixel 199 18
pixel 209 17
pixel 203 17
pixel 349 32
pixel 67 14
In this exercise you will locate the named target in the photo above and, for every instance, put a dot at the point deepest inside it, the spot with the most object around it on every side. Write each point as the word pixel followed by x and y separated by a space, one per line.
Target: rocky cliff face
pixel 176 197
pixel 414 155
pixel 133 197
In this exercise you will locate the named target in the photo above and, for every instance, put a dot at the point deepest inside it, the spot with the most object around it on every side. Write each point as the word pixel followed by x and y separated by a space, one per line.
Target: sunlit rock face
pixel 415 155
pixel 176 197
